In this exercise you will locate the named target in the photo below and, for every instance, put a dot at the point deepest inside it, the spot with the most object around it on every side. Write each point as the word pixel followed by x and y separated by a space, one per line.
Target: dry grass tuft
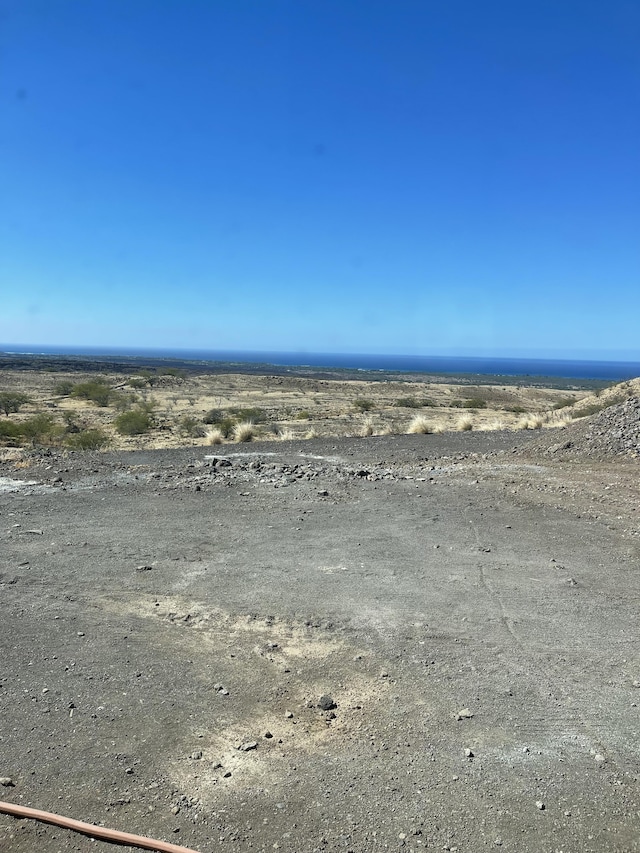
pixel 420 426
pixel 497 424
pixel 311 434
pixel 286 435
pixel 465 424
pixel 244 431
pixel 213 436
pixel 530 422
pixel 367 428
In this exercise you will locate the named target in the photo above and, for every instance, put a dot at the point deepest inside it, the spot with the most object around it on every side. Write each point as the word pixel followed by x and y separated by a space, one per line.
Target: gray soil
pixel 404 642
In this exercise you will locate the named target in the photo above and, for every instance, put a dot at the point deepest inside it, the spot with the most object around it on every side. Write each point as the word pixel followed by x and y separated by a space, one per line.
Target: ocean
pixel 485 366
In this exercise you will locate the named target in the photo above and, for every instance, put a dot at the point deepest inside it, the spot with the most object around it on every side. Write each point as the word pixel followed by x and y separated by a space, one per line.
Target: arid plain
pixel 342 643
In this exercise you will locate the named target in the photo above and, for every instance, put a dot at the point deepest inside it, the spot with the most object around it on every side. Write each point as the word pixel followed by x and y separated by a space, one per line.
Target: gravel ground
pixel 390 643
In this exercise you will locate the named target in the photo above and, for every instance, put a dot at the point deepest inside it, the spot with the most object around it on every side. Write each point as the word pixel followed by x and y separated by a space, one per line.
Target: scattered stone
pixel 468 753
pixel 80 633
pixel 288 715
pixel 197 755
pixel 268 735
pixel 7 782
pixel 248 746
pixel 227 774
pixel 326 703
pixel 464 714
pixel 175 810
pixel 144 568
pixel 129 771
pixel 540 805
pixel 599 758
pixel 635 683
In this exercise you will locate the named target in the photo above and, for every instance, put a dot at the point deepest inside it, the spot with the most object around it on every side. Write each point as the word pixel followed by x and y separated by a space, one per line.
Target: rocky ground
pixel 388 643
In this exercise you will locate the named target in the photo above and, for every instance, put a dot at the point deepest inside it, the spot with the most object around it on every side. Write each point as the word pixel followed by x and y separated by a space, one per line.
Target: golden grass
pixel 244 431
pixel 367 428
pixel 465 423
pixel 420 426
pixel 213 436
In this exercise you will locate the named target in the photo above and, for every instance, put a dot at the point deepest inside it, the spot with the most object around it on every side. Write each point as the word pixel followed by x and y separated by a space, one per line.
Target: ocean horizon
pixel 480 365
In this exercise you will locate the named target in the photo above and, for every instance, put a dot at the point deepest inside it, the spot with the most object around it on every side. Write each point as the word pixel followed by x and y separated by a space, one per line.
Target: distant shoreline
pixel 371 366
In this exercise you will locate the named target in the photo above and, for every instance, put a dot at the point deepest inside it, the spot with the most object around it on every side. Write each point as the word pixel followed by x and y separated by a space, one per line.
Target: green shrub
pixel 563 403
pixel 40 427
pixel 137 382
pixel 64 388
pixel 303 415
pixel 88 439
pixel 413 403
pixel 408 403
pixel 214 416
pixel 95 390
pixel 517 410
pixel 122 401
pixel 134 422
pixel 9 431
pixel 255 415
pixel 11 401
pixel 474 403
pixel 191 427
pixel 363 405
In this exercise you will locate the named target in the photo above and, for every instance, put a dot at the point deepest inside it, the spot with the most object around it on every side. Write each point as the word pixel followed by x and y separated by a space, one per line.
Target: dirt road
pixel 404 642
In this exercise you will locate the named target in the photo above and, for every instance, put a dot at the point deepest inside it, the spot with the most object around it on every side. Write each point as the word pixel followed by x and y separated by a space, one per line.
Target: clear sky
pixel 383 176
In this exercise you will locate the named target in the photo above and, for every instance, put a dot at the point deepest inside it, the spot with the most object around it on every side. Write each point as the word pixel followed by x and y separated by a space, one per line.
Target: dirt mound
pixel 615 431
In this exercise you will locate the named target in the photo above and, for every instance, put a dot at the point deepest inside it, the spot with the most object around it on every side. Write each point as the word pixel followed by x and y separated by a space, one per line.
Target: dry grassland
pixel 213 408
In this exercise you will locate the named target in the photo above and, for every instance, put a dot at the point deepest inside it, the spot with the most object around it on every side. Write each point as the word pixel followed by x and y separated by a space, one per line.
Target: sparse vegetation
pixel 563 402
pixel 64 388
pixel 88 439
pixel 469 403
pixel 191 427
pixel 214 436
pixel 214 416
pixel 594 408
pixel 244 431
pixel 420 426
pixel 367 428
pixel 362 404
pixel 530 422
pixel 413 403
pixel 255 415
pixel 303 415
pixel 134 422
pixel 465 424
pixel 12 401
pixel 95 390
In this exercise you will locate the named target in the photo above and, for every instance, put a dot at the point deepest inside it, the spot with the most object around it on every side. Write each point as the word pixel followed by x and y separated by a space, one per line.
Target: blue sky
pixel 404 176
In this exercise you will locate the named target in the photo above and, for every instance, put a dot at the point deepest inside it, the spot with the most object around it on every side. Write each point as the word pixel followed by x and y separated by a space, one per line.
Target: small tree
pixel 95 390
pixel 64 388
pixel 10 401
pixel 133 422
